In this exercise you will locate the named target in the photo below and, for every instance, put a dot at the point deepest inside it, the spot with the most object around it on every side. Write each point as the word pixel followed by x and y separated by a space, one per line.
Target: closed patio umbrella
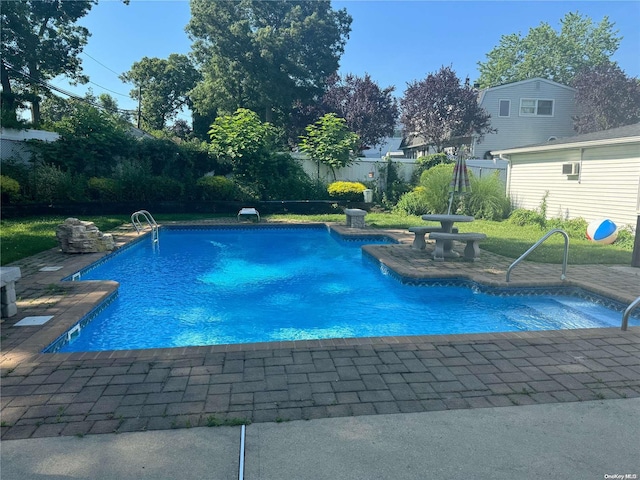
pixel 460 181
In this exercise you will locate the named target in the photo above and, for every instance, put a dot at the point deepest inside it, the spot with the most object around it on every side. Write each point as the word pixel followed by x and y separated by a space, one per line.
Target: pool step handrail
pixel 137 224
pixel 627 313
pixel 538 243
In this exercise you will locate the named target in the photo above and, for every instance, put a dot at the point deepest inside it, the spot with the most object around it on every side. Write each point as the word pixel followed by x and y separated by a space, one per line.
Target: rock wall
pixel 77 236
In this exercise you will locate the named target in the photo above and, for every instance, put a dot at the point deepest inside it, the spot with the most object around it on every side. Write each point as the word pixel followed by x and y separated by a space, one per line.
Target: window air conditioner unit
pixel 571 168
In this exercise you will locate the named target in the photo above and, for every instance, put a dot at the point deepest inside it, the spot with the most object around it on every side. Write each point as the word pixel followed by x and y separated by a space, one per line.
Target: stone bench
pixel 471 251
pixel 355 217
pixel 8 278
pixel 419 242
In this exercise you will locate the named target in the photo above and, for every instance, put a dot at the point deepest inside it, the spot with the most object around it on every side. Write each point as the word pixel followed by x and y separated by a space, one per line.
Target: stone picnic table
pixel 446 222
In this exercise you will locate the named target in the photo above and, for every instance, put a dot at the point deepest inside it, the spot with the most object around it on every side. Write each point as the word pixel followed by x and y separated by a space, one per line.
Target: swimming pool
pixel 237 285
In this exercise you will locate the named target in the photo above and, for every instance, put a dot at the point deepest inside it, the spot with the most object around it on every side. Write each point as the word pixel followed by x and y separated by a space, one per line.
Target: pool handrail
pixel 538 243
pixel 135 220
pixel 627 313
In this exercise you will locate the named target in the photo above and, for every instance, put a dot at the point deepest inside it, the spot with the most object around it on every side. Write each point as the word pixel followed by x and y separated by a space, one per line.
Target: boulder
pixel 77 236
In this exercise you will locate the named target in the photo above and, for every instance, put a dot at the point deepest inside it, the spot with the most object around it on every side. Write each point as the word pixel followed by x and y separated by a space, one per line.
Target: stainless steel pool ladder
pixel 627 313
pixel 537 244
pixel 135 220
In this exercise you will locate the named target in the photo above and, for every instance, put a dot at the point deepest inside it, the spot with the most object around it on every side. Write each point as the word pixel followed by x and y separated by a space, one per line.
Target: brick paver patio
pixel 100 392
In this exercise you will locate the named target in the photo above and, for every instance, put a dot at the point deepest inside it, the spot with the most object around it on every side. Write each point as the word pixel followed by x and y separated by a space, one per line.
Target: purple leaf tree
pixel 440 109
pixel 606 98
pixel 370 111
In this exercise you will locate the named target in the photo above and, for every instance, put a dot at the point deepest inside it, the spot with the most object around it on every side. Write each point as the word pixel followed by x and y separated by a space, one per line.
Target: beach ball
pixel 602 231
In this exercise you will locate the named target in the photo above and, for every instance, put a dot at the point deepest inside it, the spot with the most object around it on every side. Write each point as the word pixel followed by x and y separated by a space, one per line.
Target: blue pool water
pixel 220 286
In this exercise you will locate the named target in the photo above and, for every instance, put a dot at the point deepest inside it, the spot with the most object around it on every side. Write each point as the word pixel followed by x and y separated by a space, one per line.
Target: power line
pixel 98 61
pixel 109 90
pixel 108 68
pixel 47 85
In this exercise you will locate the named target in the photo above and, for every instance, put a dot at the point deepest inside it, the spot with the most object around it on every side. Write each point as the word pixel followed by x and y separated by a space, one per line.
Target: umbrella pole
pixel 450 202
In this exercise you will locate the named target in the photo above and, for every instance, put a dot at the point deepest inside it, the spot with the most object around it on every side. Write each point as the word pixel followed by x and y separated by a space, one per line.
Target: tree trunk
pixel 34 73
pixel 8 100
pixel 35 111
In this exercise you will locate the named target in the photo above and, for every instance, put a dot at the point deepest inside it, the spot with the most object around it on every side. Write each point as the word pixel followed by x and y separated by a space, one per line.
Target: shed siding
pixel 608 185
pixel 515 131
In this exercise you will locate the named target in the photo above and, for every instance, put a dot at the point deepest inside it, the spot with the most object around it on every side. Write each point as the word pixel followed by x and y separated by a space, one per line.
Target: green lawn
pixel 28 236
pixel 503 238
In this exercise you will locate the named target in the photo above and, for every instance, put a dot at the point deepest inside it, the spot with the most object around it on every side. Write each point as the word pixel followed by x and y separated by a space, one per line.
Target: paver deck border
pixel 131 390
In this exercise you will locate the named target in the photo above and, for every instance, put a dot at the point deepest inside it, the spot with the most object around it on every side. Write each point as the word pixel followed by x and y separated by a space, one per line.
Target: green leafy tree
pixel 245 143
pixel 264 55
pixel 164 85
pixel 90 141
pixel 54 109
pixel 250 147
pixel 40 40
pixel 330 142
pixel 547 53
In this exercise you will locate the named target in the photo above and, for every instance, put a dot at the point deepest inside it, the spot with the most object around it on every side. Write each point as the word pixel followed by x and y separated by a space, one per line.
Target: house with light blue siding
pixel 523 113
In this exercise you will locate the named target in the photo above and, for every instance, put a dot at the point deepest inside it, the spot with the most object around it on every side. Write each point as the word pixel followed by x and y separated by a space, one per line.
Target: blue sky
pixel 394 41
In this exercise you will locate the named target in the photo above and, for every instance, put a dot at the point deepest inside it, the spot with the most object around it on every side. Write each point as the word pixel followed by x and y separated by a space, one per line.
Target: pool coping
pixel 23 365
pixel 106 290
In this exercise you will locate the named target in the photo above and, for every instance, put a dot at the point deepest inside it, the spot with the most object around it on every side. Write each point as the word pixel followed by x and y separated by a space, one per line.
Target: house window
pixel 531 107
pixel 505 107
pixel 545 107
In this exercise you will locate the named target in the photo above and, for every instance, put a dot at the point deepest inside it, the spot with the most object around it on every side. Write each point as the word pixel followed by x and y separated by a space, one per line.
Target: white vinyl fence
pixel 367 170
pixel 13 146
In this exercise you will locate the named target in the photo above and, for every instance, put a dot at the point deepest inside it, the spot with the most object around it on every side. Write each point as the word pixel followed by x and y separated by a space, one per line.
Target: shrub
pixel 133 180
pixel 9 188
pixel 436 182
pixel 165 188
pixel 49 183
pixel 395 186
pixel 72 187
pixel 89 141
pixel 350 191
pixel 487 199
pixel 426 162
pixel 283 178
pixel 103 189
pixel 626 238
pixel 215 188
pixel 522 217
pixel 575 227
pixel 413 203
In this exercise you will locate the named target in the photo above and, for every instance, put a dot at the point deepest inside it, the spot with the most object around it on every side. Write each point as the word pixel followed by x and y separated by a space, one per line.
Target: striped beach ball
pixel 602 231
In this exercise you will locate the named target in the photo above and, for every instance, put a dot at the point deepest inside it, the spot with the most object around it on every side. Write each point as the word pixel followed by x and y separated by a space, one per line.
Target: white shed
pixel 592 176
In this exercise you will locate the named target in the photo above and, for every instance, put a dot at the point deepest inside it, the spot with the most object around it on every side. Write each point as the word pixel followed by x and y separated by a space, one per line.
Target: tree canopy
pixel 368 110
pixel 440 109
pixel 40 40
pixel 164 85
pixel 606 98
pixel 249 146
pixel 329 141
pixel 90 139
pixel 264 55
pixel 547 53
